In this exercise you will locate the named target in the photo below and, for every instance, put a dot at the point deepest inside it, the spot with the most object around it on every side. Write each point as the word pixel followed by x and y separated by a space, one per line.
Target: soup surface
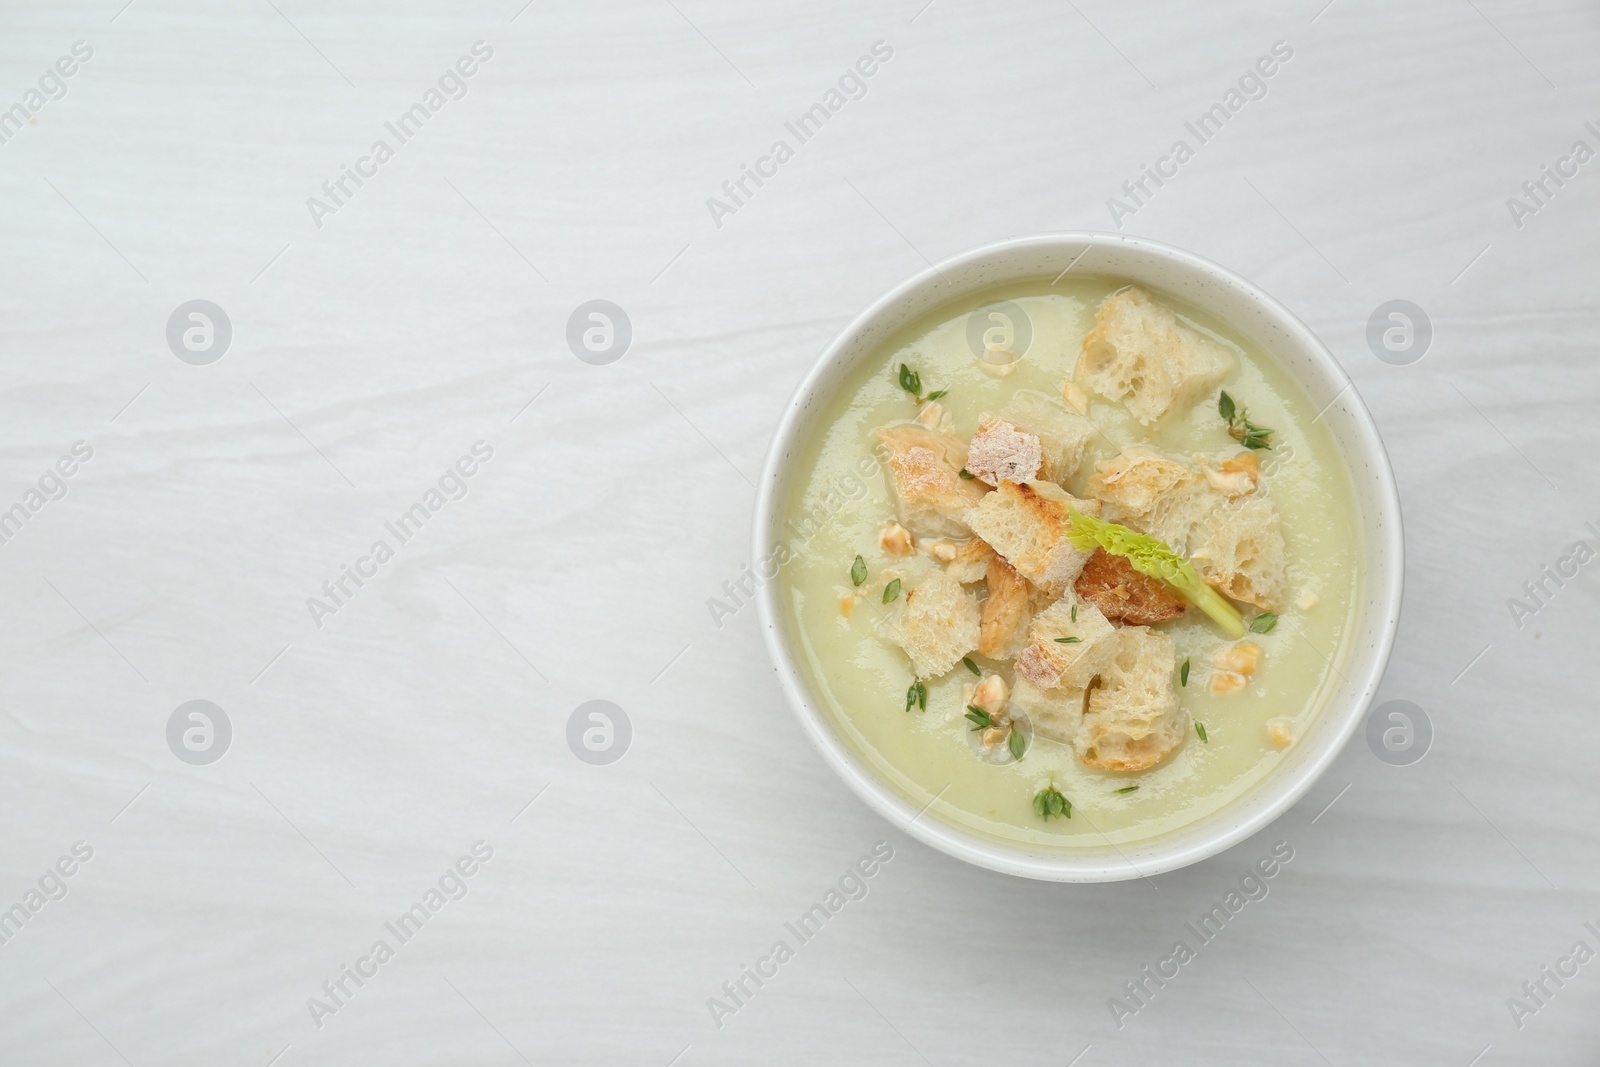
pixel 1237 726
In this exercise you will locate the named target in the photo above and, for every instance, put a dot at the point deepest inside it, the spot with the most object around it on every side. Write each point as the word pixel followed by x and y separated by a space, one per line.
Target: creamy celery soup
pixel 1074 559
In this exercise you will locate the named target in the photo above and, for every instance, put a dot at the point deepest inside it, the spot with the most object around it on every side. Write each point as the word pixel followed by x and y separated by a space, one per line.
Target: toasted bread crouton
pixel 1124 595
pixel 965 560
pixel 925 474
pixel 1068 644
pixel 999 452
pixel 1062 434
pixel 1003 622
pixel 970 562
pixel 1056 714
pixel 1027 523
pixel 937 624
pixel 1139 353
pixel 1233 477
pixel 1134 719
pixel 1150 492
pixel 1238 548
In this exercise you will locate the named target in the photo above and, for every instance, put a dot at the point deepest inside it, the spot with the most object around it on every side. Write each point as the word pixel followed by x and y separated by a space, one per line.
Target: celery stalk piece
pixel 1156 559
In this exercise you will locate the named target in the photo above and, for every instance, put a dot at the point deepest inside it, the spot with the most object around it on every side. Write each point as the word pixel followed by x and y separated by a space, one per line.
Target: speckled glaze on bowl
pixel 1248 311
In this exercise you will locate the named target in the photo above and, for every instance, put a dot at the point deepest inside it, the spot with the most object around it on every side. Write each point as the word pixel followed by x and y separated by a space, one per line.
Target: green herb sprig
pixel 917 696
pixel 1068 640
pixel 1016 743
pixel 1240 428
pixel 981 719
pixel 891 591
pixel 1183 672
pixel 858 571
pixel 1128 789
pixel 1049 802
pixel 1263 623
pixel 911 382
pixel 971 666
pixel 1200 728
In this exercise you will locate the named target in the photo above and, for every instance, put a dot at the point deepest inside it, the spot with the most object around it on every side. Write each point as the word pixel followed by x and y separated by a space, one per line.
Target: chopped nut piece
pixel 847 605
pixel 1248 462
pixel 1122 594
pixel 1235 477
pixel 1280 732
pixel 1241 658
pixel 1232 484
pixel 1227 682
pixel 998 361
pixel 931 415
pixel 1075 397
pixel 896 540
pixel 1306 601
pixel 942 549
pixel 990 694
pixel 995 734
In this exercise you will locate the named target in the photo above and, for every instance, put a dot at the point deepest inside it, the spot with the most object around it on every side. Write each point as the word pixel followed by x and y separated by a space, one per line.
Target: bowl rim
pixel 1176 848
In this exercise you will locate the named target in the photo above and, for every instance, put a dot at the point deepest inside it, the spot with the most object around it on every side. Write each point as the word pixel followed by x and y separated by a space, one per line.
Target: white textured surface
pixel 424 717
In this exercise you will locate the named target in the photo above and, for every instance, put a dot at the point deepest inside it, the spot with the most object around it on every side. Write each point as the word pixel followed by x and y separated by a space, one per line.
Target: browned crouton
pixel 1068 644
pixel 1004 624
pixel 1151 492
pixel 1139 352
pixel 1238 548
pixel 1122 594
pixel 999 452
pixel 1062 434
pixel 1027 523
pixel 1056 714
pixel 937 624
pixel 925 473
pixel 1134 719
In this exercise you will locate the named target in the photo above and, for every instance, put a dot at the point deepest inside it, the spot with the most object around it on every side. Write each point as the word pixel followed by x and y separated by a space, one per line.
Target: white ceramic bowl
pixel 1248 311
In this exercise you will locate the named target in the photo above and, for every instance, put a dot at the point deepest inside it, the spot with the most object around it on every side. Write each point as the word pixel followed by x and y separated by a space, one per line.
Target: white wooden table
pixel 376 338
